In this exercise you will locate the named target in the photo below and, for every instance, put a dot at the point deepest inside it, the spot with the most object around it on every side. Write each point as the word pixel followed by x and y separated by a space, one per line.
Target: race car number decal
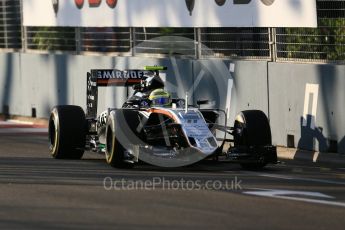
pixel 195 127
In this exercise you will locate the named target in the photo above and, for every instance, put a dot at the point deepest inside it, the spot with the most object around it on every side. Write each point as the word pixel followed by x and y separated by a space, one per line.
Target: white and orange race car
pixel 155 128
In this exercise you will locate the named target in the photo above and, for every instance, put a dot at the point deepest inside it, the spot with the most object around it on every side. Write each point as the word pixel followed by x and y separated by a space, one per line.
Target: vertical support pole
pixel 198 48
pixel 273 58
pixel 132 40
pixel 273 44
pixel 196 42
pixel 78 40
pixel 24 39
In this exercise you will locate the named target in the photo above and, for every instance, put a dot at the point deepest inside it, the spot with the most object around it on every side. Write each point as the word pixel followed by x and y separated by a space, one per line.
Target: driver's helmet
pixel 160 97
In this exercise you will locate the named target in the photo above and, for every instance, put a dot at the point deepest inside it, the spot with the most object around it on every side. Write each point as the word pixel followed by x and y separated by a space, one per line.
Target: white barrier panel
pixel 170 13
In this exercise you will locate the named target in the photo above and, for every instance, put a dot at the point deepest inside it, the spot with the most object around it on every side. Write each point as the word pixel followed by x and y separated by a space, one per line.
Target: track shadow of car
pixel 90 171
pixel 204 166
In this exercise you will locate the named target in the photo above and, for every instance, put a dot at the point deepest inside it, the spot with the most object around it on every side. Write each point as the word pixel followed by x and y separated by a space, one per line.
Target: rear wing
pixel 114 77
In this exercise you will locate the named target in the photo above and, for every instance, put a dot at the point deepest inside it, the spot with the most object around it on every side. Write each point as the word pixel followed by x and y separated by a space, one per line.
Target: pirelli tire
pixel 115 138
pixel 252 128
pixel 67 132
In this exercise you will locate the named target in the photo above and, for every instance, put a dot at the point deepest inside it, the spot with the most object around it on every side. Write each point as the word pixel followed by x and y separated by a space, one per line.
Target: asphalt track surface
pixel 39 192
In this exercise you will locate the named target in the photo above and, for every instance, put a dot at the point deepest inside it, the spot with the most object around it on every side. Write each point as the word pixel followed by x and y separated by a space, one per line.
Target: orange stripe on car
pixel 164 112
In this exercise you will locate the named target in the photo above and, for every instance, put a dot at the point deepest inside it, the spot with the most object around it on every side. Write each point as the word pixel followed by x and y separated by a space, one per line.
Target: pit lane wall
pixel 305 102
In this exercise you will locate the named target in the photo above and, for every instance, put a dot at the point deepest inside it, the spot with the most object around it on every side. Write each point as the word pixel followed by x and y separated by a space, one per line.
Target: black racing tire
pixel 67 132
pixel 252 128
pixel 114 150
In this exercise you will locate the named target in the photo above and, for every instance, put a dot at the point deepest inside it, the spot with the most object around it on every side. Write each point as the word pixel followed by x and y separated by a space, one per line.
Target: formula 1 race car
pixel 155 128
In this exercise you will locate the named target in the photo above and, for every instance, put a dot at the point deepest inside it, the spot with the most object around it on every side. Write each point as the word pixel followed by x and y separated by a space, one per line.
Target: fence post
pixel 198 43
pixel 24 39
pixel 78 40
pixel 273 44
pixel 23 29
pixel 132 40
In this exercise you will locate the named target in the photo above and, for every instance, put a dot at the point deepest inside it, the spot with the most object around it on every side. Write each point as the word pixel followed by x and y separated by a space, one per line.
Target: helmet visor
pixel 161 101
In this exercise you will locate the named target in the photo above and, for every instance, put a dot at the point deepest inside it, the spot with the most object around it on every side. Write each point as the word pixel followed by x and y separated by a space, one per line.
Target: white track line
pixel 270 194
pixel 300 179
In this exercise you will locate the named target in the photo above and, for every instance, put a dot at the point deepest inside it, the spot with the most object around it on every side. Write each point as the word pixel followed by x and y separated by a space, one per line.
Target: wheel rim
pixel 239 132
pixel 109 145
pixel 53 134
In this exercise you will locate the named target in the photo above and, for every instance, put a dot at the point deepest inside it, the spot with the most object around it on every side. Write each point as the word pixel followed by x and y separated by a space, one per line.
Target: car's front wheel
pixel 114 150
pixel 252 130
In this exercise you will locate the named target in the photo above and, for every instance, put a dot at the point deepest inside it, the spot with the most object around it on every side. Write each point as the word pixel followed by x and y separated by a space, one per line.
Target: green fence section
pixel 325 43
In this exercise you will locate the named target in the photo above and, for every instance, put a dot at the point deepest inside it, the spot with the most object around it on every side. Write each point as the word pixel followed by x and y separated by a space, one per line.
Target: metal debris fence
pixel 323 44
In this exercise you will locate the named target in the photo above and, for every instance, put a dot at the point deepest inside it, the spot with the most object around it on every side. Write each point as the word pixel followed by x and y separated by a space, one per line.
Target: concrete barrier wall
pixel 41 81
pixel 314 121
pixel 307 102
pixel 10 82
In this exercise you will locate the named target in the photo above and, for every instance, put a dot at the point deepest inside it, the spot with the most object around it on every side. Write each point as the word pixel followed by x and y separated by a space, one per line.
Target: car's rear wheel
pixel 67 132
pixel 252 129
